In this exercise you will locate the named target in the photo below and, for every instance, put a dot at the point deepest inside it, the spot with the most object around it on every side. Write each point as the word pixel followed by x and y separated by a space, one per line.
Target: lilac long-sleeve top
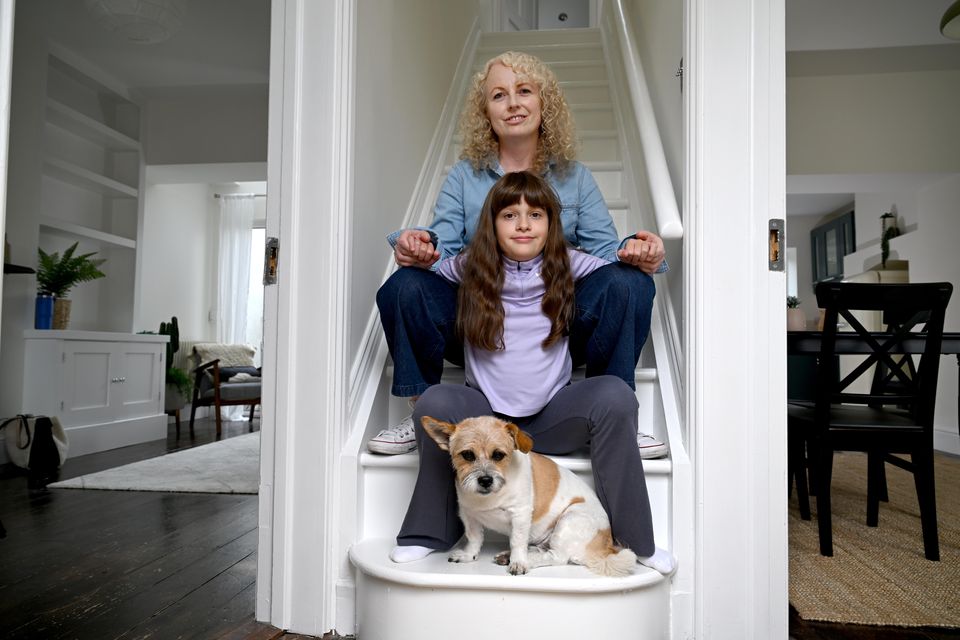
pixel 520 379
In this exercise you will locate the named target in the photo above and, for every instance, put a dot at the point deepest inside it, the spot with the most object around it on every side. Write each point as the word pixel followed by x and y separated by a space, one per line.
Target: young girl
pixel 516 302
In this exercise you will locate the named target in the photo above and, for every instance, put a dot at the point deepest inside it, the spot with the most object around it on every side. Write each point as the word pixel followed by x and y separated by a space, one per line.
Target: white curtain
pixel 233 267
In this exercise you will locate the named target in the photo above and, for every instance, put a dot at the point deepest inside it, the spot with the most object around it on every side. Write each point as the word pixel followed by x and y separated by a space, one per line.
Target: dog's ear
pixel 522 439
pixel 439 431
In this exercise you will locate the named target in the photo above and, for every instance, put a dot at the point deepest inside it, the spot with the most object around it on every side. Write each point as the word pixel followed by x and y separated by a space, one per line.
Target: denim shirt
pixel 587 224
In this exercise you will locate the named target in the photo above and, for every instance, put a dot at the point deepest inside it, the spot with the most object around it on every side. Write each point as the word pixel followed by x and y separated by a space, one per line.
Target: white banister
pixel 664 199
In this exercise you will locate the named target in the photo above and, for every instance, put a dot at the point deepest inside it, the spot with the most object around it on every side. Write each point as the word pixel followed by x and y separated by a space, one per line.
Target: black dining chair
pixel 894 417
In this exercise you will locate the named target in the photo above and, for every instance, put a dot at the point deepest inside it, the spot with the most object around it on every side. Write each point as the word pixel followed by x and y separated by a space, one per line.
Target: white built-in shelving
pixel 91 188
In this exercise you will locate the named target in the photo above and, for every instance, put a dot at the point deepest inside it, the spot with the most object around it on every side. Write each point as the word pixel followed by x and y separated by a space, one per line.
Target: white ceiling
pixel 816 25
pixel 221 42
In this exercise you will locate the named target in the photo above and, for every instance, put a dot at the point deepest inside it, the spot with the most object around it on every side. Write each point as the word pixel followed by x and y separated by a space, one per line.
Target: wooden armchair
pixel 225 377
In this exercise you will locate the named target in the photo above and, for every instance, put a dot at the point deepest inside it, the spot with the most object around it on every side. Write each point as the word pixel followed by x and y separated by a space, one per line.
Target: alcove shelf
pixel 86 179
pixel 16 268
pixel 80 124
pixel 53 226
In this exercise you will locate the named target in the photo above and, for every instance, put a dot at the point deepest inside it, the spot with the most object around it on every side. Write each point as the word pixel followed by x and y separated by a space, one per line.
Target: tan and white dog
pixel 503 487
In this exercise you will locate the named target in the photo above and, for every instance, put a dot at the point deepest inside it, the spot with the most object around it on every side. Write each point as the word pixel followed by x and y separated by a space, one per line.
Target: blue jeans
pixel 418 310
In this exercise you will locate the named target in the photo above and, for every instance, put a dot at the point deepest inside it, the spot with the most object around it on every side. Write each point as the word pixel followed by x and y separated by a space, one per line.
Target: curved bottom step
pixel 433 599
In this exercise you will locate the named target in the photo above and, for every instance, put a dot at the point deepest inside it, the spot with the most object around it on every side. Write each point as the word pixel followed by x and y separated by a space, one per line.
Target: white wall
pixel 179 255
pixel 873 123
pixel 206 124
pixel 179 238
pixel 929 217
pixel 406 57
pixel 23 194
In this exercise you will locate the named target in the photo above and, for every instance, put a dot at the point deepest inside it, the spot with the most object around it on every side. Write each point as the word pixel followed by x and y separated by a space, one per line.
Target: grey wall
pixel 407 52
pixel 658 29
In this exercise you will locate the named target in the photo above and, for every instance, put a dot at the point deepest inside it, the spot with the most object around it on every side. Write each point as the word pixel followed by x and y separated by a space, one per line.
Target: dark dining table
pixel 807 343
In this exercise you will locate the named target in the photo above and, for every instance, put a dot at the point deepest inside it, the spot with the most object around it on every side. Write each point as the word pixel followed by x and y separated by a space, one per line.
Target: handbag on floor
pixel 38 444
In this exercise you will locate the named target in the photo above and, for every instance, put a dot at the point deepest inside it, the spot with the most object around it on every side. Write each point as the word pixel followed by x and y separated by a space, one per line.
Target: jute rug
pixel 228 466
pixel 878 575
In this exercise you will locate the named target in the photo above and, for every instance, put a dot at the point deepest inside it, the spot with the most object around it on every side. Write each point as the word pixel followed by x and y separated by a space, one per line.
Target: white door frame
pixel 735 318
pixel 734 115
pixel 6 76
pixel 309 184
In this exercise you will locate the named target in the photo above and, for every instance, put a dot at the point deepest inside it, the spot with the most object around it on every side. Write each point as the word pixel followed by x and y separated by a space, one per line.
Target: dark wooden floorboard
pixel 128 564
pixel 103 565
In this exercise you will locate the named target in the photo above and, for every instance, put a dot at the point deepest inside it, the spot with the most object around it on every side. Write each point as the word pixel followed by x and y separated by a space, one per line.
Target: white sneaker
pixel 650 447
pixel 395 440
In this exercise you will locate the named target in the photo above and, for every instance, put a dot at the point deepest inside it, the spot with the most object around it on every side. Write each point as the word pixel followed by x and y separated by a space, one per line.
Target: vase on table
pixel 61 313
pixel 43 312
pixel 796 321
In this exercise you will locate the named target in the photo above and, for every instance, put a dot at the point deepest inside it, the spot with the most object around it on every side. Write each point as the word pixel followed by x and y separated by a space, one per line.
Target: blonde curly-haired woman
pixel 515 118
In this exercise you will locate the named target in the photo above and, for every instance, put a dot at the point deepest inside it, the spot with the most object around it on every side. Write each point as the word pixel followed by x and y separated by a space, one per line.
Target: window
pixel 829 243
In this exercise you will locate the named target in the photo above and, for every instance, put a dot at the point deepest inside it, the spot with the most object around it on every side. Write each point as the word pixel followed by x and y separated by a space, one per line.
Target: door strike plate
pixel 775 244
pixel 271 256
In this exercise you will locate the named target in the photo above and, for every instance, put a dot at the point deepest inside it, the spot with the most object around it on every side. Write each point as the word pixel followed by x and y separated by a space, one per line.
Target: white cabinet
pixel 106 388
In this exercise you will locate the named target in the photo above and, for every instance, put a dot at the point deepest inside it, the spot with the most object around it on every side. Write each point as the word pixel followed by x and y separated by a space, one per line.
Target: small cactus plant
pixel 175 376
pixel 171 329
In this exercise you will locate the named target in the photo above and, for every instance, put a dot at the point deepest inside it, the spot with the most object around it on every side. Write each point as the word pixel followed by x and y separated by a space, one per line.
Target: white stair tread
pixel 372 557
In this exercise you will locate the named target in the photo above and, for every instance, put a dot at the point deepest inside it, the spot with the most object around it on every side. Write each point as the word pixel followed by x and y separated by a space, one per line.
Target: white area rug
pixel 228 466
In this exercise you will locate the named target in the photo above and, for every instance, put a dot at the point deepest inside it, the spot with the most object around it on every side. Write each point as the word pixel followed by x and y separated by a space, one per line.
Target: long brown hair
pixel 480 309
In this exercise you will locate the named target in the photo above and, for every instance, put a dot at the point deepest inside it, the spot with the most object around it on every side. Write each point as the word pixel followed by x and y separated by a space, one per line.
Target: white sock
pixel 410 553
pixel 661 560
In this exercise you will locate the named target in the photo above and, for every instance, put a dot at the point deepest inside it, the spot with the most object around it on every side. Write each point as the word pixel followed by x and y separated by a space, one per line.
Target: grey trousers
pixel 599 411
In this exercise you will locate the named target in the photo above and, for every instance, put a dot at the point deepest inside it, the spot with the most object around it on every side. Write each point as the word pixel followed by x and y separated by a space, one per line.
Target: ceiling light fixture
pixel 950 22
pixel 140 21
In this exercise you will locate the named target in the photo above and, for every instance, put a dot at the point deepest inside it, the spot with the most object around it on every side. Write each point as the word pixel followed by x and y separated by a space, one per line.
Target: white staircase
pixel 436 599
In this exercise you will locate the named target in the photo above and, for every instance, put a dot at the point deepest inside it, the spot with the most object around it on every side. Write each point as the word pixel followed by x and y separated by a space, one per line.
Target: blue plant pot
pixel 43 317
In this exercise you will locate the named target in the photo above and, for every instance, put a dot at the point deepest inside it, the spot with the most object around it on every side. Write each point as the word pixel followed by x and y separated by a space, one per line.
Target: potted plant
pixel 178 381
pixel 889 230
pixel 796 321
pixel 57 275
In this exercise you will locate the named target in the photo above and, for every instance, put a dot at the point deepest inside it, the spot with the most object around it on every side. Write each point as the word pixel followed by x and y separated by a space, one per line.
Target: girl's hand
pixel 644 251
pixel 414 249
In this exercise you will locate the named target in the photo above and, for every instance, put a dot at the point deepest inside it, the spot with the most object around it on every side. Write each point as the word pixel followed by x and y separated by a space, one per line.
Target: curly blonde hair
pixel 557 141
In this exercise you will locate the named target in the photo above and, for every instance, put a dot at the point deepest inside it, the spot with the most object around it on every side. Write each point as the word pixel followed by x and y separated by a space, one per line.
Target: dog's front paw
pixel 502 558
pixel 461 555
pixel 518 568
